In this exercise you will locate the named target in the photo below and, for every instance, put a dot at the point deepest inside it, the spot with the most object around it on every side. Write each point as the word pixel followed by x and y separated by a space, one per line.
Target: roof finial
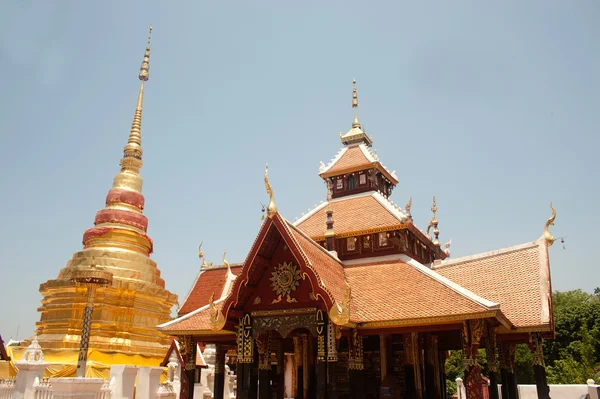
pixel 201 256
pixel 271 208
pixel 225 262
pixel 434 223
pixel 132 153
pixel 549 237
pixel 355 105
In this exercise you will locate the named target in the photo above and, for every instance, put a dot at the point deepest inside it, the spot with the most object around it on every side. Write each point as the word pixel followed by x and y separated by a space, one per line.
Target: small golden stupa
pixel 127 311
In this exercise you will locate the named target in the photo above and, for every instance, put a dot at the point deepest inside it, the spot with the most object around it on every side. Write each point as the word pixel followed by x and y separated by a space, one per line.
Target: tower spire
pixel 132 153
pixel 355 123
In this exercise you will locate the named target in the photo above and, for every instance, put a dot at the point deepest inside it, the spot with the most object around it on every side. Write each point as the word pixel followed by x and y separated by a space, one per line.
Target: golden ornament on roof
pixel 549 237
pixel 271 208
pixel 340 313
pixel 217 320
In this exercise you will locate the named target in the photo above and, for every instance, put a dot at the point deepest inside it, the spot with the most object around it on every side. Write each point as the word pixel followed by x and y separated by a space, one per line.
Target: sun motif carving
pixel 284 281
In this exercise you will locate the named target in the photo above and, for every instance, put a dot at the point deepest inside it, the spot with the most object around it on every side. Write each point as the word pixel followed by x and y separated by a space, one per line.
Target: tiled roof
pixel 352 158
pixel 395 290
pixel 208 281
pixel 328 269
pixel 198 320
pixel 353 213
pixel 518 278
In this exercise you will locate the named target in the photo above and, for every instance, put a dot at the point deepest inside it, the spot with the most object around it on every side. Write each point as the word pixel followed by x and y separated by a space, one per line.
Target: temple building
pixel 126 312
pixel 353 300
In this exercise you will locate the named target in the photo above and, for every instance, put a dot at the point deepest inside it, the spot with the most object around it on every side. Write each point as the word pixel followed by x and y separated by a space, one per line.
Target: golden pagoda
pixel 127 311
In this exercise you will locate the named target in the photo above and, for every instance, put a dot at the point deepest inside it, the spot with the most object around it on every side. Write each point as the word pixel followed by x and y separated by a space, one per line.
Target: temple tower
pixel 127 311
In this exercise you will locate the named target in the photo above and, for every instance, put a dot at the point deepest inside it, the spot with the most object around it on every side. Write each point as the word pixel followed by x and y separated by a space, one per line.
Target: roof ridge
pixel 311 212
pixel 335 159
pixel 488 254
pixel 188 315
pixel 393 209
pixel 485 303
pixel 313 242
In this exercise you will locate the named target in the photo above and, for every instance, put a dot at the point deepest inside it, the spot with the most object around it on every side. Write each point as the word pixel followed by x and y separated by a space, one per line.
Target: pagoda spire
pixel 132 153
pixel 355 123
pixel 125 201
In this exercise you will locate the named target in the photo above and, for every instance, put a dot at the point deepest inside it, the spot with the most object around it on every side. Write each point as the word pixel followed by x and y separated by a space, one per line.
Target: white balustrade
pixel 42 389
pixel 7 386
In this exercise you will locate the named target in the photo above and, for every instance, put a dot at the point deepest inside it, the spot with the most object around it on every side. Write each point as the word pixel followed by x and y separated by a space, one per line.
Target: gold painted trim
pixel 366 231
pixel 198 332
pixel 426 320
pixel 277 312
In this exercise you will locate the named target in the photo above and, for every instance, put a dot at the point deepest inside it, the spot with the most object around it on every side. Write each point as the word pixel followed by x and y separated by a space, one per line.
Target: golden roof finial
pixel 132 153
pixel 355 123
pixel 201 255
pixel 549 237
pixel 226 263
pixel 271 208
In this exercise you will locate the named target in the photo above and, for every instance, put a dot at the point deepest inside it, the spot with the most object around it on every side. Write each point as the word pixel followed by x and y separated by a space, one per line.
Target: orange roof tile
pixel 352 214
pixel 393 290
pixel 353 158
pixel 328 269
pixel 518 278
pixel 198 320
pixel 208 281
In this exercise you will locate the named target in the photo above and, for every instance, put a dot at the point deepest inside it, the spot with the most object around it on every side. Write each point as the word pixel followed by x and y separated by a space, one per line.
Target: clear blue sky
pixel 491 106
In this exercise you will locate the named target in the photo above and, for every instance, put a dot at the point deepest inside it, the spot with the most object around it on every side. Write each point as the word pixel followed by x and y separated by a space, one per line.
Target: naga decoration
pixel 547 236
pixel 285 278
pixel 408 205
pixel 201 256
pixel 447 247
pixel 320 337
pixel 226 263
pixel 271 208
pixel 217 320
pixel 340 313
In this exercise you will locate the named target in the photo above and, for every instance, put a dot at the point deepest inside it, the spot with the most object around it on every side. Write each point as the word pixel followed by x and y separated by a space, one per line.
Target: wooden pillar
pixel 507 362
pixel 321 366
pixel 356 366
pixel 471 336
pixel 219 389
pixel 280 370
pixel 247 361
pixel 412 368
pixel 383 356
pixel 432 368
pixel 539 367
pixel 490 352
pixel 263 344
pixel 442 374
pixel 332 359
pixel 188 352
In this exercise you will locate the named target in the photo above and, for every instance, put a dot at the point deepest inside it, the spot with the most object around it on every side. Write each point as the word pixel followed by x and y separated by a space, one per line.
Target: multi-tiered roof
pixel 361 257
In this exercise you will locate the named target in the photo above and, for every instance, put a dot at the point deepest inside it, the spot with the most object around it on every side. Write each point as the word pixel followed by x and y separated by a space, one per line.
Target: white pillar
pixel 75 388
pixel 31 366
pixel 122 381
pixel 148 381
pixel 593 389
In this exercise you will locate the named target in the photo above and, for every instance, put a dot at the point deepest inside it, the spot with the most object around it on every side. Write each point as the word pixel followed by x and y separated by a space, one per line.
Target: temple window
pixel 351 243
pixel 383 240
pixel 351 182
pixel 339 184
pixel 367 242
pixel 362 179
